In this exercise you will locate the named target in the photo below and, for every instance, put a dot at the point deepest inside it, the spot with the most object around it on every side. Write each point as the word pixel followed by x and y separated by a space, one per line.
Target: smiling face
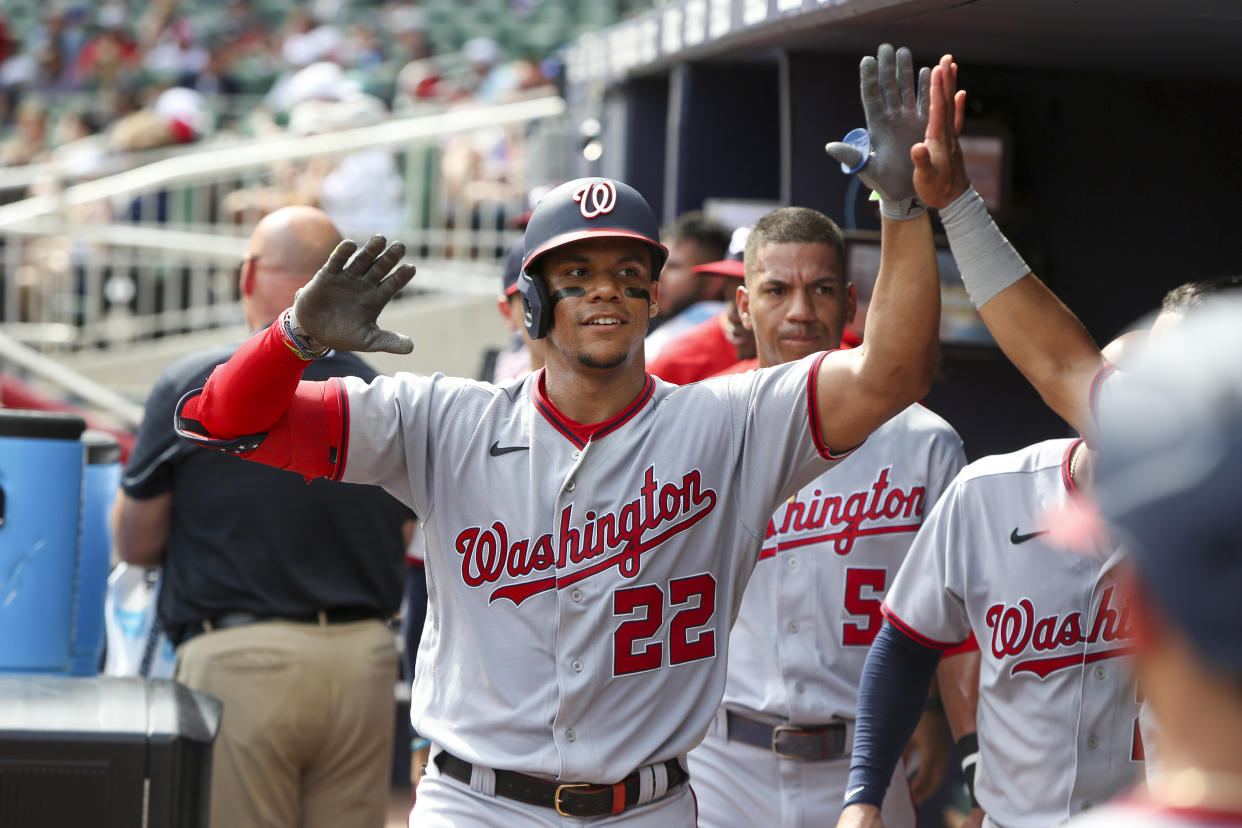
pixel 605 299
pixel 795 300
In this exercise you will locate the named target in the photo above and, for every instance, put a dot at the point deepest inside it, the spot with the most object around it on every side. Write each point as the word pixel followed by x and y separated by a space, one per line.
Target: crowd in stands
pixel 82 79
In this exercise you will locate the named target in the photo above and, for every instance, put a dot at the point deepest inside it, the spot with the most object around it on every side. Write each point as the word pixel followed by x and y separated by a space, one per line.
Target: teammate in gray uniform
pixel 1048 344
pixel 777 753
pixel 1168 475
pixel 589 529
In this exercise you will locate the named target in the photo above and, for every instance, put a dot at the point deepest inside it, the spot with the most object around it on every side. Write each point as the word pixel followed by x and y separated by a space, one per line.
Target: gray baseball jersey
pixel 812 607
pixel 808 618
pixel 580 592
pixel 1057 717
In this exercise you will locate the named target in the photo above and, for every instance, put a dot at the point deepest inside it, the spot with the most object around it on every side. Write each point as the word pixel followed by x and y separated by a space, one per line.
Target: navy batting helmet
pixel 582 209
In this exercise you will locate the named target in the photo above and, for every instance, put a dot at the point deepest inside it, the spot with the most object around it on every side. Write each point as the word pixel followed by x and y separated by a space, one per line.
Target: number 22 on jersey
pixel 690 605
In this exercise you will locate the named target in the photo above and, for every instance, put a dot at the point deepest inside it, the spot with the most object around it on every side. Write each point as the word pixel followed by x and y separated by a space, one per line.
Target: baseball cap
pixel 1169 473
pixel 512 268
pixel 731 265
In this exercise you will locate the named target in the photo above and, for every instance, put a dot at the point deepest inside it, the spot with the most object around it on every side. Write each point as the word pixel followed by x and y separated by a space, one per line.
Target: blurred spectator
pixel 687 299
pixel 523 354
pixel 107 56
pixel 177 56
pixel 30 139
pixel 177 116
pixel 719 341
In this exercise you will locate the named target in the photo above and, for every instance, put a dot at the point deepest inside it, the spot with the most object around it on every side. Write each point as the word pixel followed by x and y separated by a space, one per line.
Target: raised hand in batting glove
pixel 339 307
pixel 896 110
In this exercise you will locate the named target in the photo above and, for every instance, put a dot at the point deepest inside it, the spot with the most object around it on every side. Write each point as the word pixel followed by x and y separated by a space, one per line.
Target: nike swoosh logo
pixel 496 450
pixel 853 791
pixel 1016 539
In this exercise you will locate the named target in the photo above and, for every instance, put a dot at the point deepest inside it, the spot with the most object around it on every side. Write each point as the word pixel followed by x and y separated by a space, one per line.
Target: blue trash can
pixel 41 470
pixel 101 480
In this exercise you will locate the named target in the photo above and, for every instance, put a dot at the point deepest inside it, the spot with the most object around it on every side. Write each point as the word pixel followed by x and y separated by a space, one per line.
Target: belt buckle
pixel 556 798
pixel 776 734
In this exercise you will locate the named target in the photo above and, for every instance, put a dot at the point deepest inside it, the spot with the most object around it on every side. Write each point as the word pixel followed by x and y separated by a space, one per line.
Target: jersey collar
pixel 581 433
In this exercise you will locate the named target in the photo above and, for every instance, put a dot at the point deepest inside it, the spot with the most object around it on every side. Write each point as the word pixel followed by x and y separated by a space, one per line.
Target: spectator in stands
pixel 29 142
pixel 523 354
pixel 108 56
pixel 275 591
pixel 715 343
pixel 687 299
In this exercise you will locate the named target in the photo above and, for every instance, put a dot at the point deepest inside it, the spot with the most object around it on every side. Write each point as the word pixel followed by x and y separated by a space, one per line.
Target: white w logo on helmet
pixel 596 198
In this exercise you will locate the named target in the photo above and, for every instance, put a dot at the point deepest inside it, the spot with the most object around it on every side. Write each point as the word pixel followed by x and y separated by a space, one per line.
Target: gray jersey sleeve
pixel 393 423
pixel 946 459
pixel 926 600
pixel 774 414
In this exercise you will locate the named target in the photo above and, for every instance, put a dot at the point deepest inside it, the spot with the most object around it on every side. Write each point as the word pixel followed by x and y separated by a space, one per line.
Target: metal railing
pixel 152 251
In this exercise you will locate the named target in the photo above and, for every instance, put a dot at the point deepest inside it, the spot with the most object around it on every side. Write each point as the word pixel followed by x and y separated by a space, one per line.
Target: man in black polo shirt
pixel 275 590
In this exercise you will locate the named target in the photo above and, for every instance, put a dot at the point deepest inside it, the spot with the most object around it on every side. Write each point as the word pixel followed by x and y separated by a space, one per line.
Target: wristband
pixel 299 344
pixel 968 750
pixel 987 261
pixel 903 210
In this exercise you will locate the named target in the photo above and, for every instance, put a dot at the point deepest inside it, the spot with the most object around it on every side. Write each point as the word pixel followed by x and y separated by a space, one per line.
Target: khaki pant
pixel 306 735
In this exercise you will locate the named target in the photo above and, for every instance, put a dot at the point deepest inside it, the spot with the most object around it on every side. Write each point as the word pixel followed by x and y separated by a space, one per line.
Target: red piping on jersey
pixel 1138 802
pixel 1212 815
pixel 1066 478
pixel 770 551
pixel 1093 397
pixel 970 645
pixel 343 399
pixel 912 633
pixel 581 433
pixel 812 407
pixel 1044 667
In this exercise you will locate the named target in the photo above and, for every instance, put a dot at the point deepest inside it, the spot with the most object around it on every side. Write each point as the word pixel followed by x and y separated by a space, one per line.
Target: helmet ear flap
pixel 537 304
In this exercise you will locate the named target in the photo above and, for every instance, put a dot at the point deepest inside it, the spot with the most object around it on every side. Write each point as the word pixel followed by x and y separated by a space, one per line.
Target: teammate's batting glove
pixel 896 120
pixel 339 307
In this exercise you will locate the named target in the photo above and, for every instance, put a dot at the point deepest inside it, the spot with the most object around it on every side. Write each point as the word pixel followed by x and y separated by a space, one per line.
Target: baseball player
pixel 961 575
pixel 589 529
pixel 1167 479
pixel 1060 621
pixel 777 753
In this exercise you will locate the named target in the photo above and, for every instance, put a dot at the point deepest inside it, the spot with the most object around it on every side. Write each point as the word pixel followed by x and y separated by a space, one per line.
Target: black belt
pixel 337 615
pixel 578 799
pixel 810 743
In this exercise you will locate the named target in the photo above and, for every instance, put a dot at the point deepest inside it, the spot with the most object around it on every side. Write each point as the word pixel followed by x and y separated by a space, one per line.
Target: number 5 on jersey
pixel 637 646
pixel 856 580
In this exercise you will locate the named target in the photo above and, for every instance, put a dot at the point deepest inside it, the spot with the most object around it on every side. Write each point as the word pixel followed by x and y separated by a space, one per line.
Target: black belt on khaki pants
pixel 577 799
pixel 808 743
pixel 228 620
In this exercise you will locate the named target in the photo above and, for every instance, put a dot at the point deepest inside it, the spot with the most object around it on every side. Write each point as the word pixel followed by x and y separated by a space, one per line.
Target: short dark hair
pixel 1192 294
pixel 797 225
pixel 708 233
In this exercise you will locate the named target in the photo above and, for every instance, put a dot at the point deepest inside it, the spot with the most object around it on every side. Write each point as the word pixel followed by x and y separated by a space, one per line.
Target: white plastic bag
pixel 137 645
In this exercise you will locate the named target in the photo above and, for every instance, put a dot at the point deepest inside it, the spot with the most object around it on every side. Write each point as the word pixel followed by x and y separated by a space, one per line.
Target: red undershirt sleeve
pixel 257 406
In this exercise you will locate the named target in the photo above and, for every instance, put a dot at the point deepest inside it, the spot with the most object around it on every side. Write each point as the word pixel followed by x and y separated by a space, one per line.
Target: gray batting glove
pixel 896 121
pixel 339 307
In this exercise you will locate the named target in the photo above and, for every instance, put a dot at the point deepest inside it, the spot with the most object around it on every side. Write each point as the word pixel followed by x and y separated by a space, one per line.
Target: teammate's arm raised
pixel 1036 331
pixel 894 366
